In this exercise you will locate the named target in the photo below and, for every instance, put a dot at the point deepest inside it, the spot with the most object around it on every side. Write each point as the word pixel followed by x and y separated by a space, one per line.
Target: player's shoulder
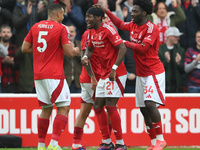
pixel 109 28
pixel 151 27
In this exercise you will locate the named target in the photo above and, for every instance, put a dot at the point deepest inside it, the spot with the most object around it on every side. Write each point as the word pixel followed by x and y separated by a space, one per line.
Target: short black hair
pixel 52 7
pixel 146 5
pixel 96 11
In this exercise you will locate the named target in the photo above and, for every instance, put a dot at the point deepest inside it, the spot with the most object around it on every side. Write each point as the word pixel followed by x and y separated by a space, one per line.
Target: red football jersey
pixel 147 63
pixel 47 38
pixel 104 40
pixel 96 67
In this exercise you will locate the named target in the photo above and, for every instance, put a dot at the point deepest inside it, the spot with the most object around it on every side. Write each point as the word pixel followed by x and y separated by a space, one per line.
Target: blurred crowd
pixel 179 50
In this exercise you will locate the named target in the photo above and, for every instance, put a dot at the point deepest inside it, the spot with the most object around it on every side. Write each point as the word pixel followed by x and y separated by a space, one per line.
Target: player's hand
pixel 101 6
pixel 77 51
pixel 84 60
pixel 112 75
pixel 93 82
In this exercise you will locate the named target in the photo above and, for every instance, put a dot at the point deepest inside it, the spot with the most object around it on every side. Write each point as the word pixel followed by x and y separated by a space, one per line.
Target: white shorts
pixel 107 88
pixel 87 94
pixel 151 88
pixel 50 91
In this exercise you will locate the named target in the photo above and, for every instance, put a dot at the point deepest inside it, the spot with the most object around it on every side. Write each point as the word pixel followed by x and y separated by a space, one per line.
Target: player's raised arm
pixel 115 20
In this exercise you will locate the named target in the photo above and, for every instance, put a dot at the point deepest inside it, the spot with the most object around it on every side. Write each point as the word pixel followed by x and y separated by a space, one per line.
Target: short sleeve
pixel 29 37
pixel 113 36
pixel 65 35
pixel 152 34
pixel 85 40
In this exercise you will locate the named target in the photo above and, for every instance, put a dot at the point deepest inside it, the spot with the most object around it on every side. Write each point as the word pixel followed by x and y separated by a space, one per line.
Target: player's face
pixel 90 20
pixel 137 14
pixel 5 34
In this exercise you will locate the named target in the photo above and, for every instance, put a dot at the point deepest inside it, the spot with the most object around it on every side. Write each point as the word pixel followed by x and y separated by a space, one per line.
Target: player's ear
pixel 98 17
pixel 144 13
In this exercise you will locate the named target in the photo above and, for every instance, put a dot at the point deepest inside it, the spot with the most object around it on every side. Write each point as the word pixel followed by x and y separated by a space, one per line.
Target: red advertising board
pixel 180 116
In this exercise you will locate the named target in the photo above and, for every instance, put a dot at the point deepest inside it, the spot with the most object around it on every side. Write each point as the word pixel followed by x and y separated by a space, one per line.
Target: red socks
pixel 152 133
pixel 103 123
pixel 116 121
pixel 78 132
pixel 42 125
pixel 59 124
pixel 158 127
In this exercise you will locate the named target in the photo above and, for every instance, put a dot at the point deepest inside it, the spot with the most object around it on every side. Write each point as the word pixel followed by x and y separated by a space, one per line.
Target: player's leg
pixel 149 126
pixel 115 90
pixel 87 101
pixel 42 125
pixel 79 124
pixel 43 119
pixel 102 120
pixel 154 95
pixel 59 93
pixel 111 106
pixel 154 114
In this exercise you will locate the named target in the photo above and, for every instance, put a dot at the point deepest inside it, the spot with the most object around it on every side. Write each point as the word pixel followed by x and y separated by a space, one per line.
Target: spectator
pixel 6 8
pixel 164 19
pixel 25 16
pixel 71 17
pixel 85 5
pixel 192 66
pixel 172 56
pixel 191 25
pixel 3 53
pixel 72 66
pixel 26 84
pixel 9 66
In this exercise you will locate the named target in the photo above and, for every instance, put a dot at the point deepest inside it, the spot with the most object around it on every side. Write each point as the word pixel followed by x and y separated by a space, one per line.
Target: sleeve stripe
pixel 110 29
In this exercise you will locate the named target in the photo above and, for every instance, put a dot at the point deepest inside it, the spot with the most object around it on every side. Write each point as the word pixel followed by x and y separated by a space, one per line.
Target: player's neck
pixel 51 19
pixel 142 22
pixel 98 26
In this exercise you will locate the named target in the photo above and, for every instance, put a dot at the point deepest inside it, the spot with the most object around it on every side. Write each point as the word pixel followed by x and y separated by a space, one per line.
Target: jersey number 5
pixel 42 40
